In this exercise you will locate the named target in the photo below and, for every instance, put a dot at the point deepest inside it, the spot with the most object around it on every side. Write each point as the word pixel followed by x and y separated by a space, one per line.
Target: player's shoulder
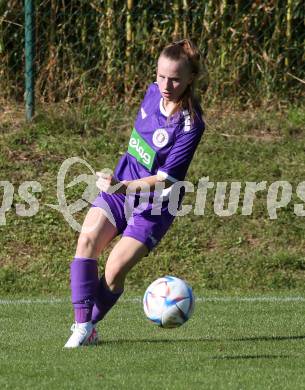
pixel 151 101
pixel 152 91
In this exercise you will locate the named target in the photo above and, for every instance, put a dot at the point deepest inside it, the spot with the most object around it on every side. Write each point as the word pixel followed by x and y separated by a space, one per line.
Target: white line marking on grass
pixel 31 301
pixel 234 299
pixel 51 301
pixel 253 299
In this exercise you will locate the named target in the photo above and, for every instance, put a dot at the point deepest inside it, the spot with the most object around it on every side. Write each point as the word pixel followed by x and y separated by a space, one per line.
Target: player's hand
pixel 107 183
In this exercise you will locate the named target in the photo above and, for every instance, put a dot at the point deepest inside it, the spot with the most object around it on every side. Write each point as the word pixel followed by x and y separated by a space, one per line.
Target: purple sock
pixel 84 282
pixel 104 301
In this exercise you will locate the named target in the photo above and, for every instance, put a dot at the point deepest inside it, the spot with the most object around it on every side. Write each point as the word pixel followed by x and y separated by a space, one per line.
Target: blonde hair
pixel 185 50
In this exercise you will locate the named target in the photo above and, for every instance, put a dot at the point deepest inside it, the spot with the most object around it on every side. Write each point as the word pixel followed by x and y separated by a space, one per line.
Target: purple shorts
pixel 135 218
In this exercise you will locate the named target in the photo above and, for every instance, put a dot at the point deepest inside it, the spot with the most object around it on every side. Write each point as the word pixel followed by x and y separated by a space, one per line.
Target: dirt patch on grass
pixel 12 116
pixel 260 136
pixel 250 124
pixel 18 254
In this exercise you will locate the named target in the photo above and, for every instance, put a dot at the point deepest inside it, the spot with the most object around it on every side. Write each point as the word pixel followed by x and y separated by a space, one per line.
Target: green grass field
pixel 211 252
pixel 231 342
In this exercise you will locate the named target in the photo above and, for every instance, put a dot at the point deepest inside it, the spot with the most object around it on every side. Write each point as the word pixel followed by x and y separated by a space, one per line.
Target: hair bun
pixel 191 52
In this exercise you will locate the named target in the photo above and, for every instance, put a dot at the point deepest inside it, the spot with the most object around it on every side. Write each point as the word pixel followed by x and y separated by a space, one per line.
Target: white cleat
pixel 82 334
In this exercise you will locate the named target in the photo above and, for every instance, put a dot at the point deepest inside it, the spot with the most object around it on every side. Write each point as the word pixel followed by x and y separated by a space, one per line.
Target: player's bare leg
pixel 126 253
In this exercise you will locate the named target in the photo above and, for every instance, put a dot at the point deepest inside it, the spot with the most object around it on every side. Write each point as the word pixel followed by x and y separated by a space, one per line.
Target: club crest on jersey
pixel 160 138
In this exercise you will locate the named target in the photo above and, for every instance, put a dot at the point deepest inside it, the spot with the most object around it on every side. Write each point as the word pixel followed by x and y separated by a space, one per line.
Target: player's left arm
pixel 108 183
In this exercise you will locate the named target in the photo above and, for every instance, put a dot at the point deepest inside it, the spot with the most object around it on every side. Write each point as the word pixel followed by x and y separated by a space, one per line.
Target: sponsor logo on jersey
pixel 143 113
pixel 160 138
pixel 140 149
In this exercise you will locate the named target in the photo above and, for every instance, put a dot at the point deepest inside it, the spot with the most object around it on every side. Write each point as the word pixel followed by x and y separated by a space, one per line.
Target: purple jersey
pixel 158 144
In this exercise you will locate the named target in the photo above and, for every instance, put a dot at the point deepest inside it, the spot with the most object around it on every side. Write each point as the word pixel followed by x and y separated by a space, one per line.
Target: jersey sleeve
pixel 181 154
pixel 150 92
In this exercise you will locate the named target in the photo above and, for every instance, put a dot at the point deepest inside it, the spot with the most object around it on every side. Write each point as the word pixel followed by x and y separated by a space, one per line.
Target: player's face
pixel 172 77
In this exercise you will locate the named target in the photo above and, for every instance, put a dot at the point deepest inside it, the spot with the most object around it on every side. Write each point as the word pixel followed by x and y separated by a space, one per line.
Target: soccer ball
pixel 168 302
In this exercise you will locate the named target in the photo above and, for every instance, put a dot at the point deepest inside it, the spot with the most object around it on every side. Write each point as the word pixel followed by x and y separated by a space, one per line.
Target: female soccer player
pixel 165 136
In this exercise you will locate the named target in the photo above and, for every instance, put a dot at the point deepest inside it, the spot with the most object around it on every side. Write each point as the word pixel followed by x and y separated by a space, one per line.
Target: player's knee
pixel 86 244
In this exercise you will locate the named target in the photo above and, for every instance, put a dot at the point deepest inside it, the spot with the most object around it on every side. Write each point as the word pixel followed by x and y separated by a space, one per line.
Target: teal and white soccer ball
pixel 168 302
